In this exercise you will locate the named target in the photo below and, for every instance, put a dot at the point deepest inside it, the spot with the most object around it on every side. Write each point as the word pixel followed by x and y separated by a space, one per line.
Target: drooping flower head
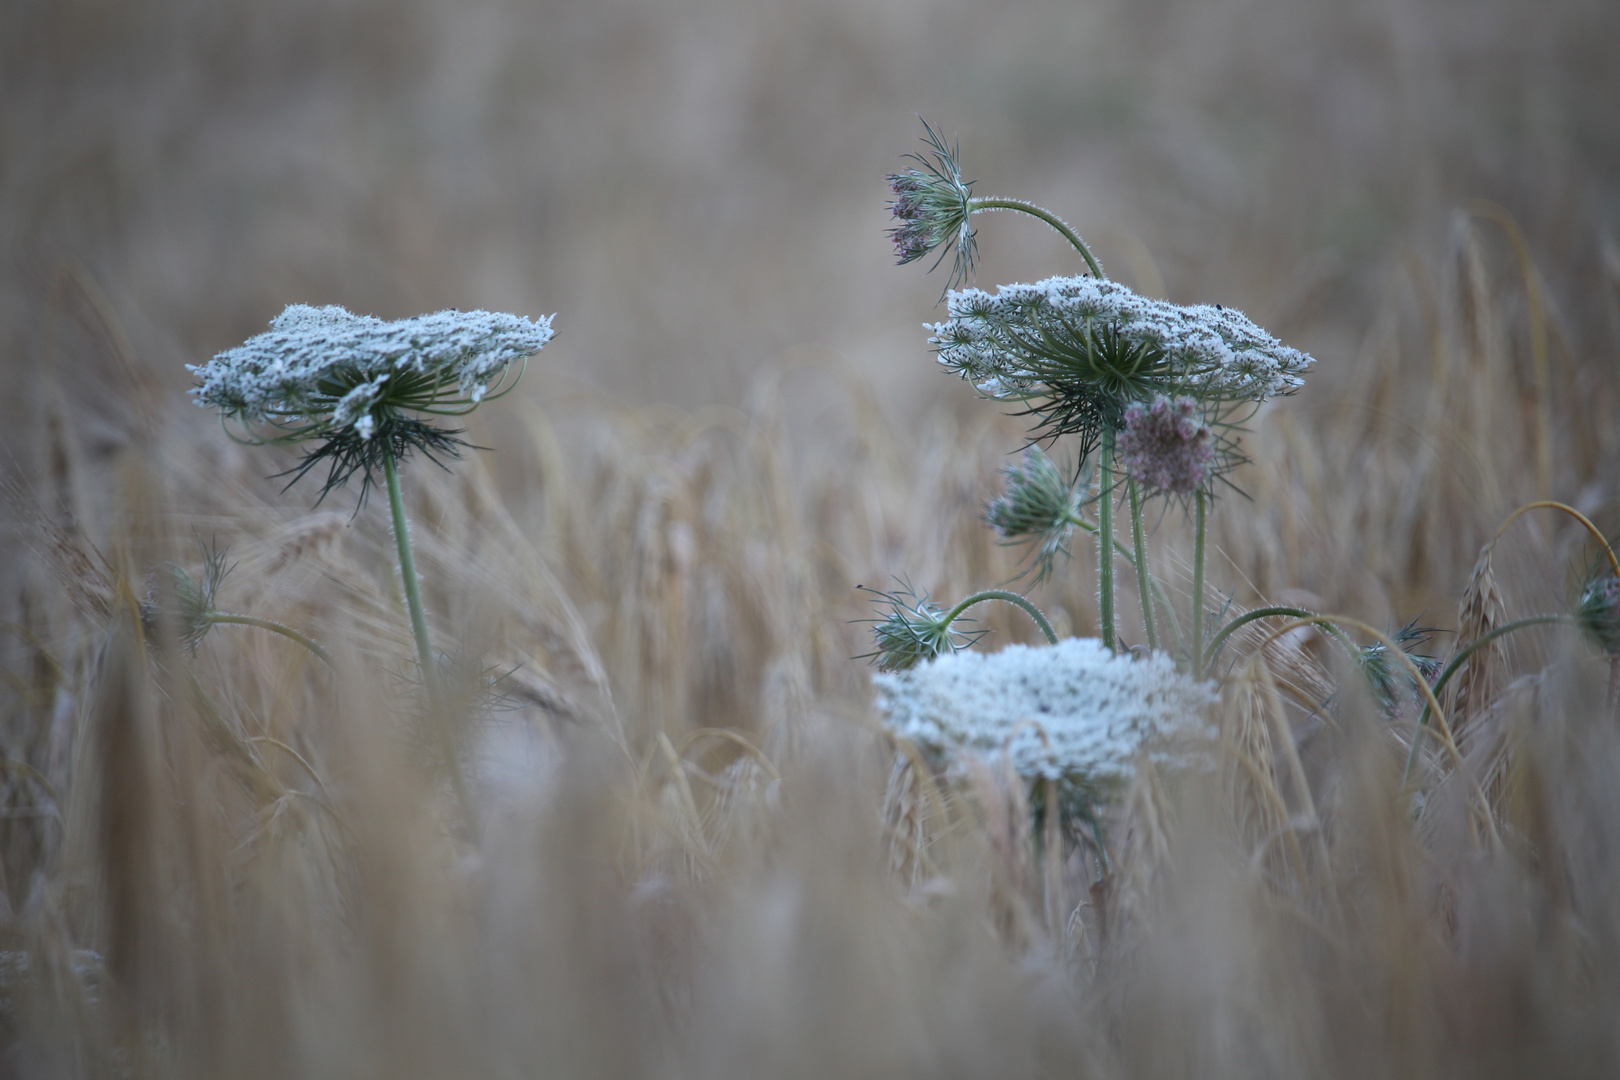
pixel 912 630
pixel 362 385
pixel 1078 351
pixel 1165 446
pixel 1039 507
pixel 1597 610
pixel 932 204
pixel 1073 711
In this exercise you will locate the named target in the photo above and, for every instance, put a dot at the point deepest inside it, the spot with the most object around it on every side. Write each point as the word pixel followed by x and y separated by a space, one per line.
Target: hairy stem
pixel 1010 598
pixel 1197 653
pixel 1456 665
pixel 1022 207
pixel 424 648
pixel 275 628
pixel 1105 534
pixel 1144 580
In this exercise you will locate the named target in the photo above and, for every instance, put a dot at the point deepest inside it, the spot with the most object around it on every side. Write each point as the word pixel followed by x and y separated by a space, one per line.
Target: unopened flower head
pixel 932 204
pixel 1080 350
pixel 1039 507
pixel 1071 711
pixel 1388 677
pixel 913 630
pixel 1166 447
pixel 184 604
pixel 355 381
pixel 1598 610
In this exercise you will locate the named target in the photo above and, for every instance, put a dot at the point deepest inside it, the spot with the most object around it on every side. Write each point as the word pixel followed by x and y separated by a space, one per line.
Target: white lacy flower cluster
pixel 1073 710
pixel 330 367
pixel 1213 351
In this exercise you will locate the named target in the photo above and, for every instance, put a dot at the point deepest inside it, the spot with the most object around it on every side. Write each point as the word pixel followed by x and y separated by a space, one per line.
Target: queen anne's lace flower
pixel 999 341
pixel 321 369
pixel 1070 711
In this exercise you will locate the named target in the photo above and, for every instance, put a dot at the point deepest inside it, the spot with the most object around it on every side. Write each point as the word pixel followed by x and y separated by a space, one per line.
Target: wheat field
pixel 683 844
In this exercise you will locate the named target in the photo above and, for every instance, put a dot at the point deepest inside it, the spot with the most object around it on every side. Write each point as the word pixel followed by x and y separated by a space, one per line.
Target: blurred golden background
pixel 738 422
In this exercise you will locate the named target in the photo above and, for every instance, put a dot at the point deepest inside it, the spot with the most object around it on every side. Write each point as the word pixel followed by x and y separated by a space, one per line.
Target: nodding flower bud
pixel 1039 507
pixel 1598 611
pixel 1166 447
pixel 913 630
pixel 932 203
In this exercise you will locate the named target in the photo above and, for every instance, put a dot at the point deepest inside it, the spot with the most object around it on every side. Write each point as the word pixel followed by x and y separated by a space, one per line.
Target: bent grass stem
pixel 1456 665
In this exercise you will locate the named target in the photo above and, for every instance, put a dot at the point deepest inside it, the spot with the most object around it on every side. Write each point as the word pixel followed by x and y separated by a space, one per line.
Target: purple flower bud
pixel 1165 446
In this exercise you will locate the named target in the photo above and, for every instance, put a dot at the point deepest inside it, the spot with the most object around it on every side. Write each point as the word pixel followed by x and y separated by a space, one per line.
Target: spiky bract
pixel 1039 507
pixel 913 630
pixel 932 204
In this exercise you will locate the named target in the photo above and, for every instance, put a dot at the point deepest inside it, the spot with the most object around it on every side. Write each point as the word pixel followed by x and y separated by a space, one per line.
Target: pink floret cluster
pixel 1164 446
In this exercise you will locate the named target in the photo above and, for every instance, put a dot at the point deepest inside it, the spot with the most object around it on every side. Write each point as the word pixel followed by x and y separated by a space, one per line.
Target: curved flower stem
pixel 1456 665
pixel 275 628
pixel 1105 534
pixel 1144 580
pixel 1219 641
pixel 424 648
pixel 1197 653
pixel 1552 504
pixel 975 205
pixel 1007 597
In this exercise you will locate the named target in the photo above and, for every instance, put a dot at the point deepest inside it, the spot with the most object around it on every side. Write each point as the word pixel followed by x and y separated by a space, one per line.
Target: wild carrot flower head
pixel 1039 507
pixel 355 381
pixel 1166 447
pixel 931 205
pixel 1070 711
pixel 1080 350
pixel 913 630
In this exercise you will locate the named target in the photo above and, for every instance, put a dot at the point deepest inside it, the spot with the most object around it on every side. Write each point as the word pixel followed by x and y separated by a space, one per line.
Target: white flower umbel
pixel 999 340
pixel 319 369
pixel 1070 711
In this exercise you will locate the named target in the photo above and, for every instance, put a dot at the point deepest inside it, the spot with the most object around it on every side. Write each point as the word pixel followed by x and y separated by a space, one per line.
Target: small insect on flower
pixel 913 630
pixel 1073 711
pixel 932 204
pixel 1039 508
pixel 362 385
pixel 1166 447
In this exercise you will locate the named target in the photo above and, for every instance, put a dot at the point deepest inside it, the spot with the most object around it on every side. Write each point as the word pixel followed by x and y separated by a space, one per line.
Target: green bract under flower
pixel 317 371
pixel 1083 349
